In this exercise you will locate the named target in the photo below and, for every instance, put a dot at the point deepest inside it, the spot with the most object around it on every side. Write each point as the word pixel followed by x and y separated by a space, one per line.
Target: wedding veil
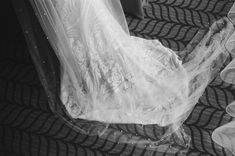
pixel 169 131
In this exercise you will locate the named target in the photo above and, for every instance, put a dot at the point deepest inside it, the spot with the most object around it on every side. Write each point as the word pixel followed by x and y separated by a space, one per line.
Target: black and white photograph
pixel 117 78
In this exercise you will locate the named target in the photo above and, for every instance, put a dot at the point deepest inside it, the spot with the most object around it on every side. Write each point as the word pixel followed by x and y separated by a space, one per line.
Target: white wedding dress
pixel 112 77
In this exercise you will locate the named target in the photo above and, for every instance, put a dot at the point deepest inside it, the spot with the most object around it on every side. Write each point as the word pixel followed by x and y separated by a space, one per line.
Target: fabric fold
pixel 225 135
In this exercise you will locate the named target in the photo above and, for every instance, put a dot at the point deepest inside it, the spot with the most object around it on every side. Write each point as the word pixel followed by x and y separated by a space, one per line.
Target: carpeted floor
pixel 28 127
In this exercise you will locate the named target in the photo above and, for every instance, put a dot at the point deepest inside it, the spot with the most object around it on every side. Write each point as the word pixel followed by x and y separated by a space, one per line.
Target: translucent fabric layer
pixel 108 77
pixel 225 135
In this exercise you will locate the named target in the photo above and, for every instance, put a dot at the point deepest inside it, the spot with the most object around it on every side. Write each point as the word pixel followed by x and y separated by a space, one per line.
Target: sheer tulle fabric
pixel 111 77
pixel 225 135
pixel 107 72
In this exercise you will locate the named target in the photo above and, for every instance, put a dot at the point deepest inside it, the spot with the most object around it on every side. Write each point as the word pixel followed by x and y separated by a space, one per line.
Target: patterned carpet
pixel 28 127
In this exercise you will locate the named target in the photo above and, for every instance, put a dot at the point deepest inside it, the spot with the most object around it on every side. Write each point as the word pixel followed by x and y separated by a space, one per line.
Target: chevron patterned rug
pixel 29 128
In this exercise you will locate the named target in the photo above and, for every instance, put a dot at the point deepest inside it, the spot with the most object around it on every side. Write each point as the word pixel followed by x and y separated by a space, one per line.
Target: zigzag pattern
pixel 28 127
pixel 175 22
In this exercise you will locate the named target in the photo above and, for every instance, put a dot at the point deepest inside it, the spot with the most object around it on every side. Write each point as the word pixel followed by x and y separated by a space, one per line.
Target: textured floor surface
pixel 28 127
